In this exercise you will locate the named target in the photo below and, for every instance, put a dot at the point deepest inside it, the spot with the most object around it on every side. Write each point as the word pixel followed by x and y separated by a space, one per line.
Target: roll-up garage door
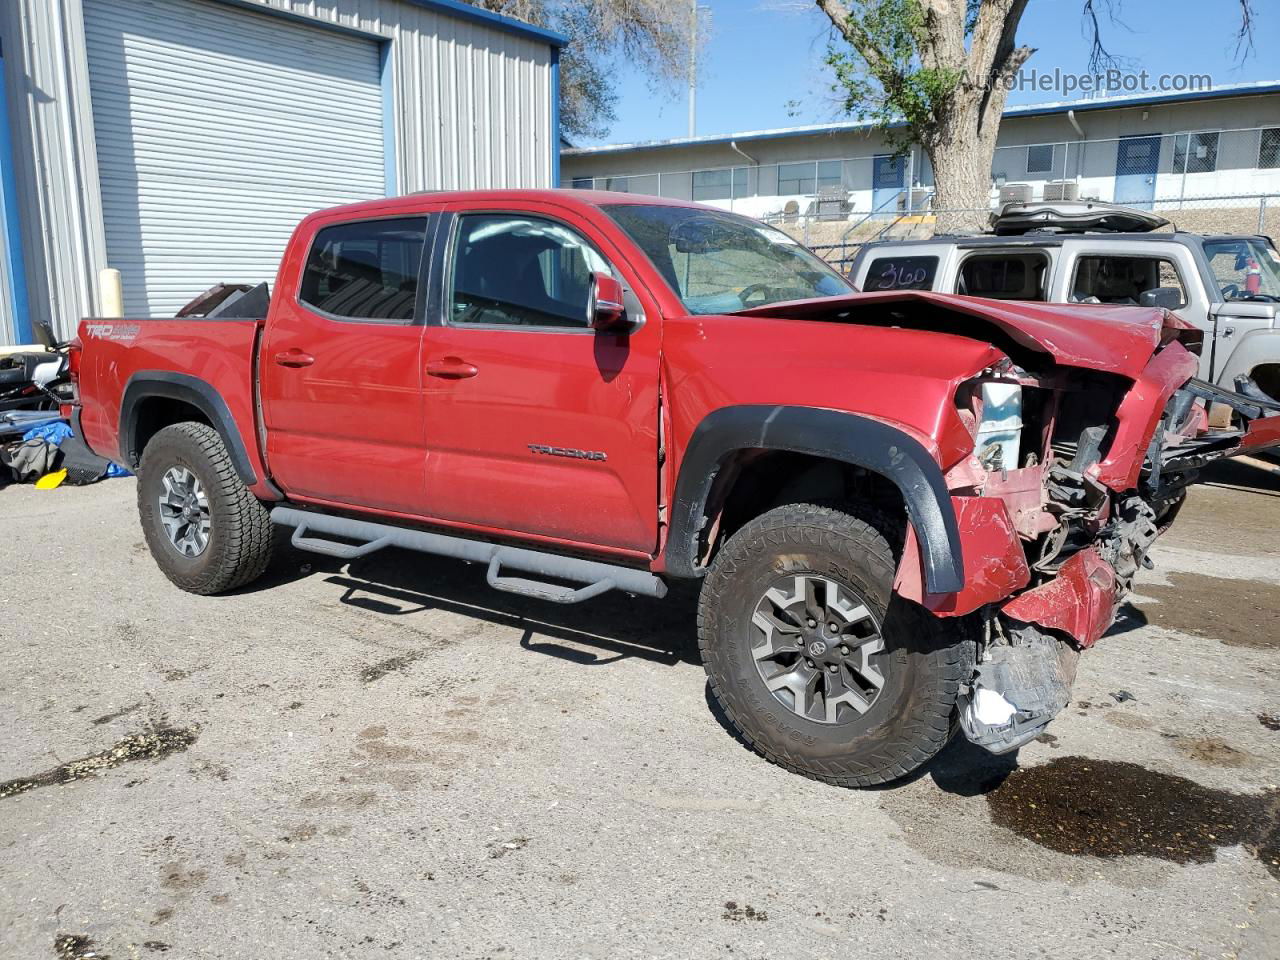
pixel 217 129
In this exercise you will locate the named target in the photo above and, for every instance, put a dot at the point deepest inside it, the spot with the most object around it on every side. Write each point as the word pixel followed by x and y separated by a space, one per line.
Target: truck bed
pixel 166 350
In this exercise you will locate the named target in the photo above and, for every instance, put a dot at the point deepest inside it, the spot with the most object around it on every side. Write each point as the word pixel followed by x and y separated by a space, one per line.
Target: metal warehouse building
pixel 179 141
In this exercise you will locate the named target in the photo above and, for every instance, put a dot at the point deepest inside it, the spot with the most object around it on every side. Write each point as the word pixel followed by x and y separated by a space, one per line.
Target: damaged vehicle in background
pixel 902 506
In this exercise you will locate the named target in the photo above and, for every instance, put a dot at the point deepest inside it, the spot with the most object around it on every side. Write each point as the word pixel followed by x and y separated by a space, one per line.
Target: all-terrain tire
pixel 239 538
pixel 923 663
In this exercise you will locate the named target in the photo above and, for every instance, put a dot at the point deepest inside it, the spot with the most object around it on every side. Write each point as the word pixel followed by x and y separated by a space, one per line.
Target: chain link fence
pixel 838 239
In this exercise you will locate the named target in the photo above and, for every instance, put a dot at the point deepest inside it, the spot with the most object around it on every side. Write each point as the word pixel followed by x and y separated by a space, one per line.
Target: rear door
pixel 1118 272
pixel 1137 161
pixel 536 424
pixel 341 368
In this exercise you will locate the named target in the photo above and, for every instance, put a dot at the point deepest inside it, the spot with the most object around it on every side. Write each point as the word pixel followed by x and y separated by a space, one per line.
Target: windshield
pixel 721 263
pixel 1246 268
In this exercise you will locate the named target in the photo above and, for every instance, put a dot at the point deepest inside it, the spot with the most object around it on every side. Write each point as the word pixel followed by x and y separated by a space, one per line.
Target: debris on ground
pixel 75 946
pixel 148 745
pixel 499 850
pixel 48 454
pixel 740 914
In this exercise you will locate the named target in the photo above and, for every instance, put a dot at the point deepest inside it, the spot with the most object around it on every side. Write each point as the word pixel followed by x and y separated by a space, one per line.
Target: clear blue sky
pixel 763 53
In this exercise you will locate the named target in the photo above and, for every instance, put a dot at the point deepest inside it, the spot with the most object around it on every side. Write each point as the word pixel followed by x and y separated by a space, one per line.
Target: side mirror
pixel 606 309
pixel 1170 298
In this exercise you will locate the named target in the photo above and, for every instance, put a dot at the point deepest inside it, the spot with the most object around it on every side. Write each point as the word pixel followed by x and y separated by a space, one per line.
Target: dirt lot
pixel 388 759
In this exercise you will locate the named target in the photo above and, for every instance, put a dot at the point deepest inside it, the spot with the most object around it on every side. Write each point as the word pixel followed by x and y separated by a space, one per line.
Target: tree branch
pixel 1244 36
pixel 942 46
pixel 842 19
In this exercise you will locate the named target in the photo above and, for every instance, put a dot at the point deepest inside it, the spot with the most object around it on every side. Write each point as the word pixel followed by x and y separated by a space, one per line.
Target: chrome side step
pixel 597 578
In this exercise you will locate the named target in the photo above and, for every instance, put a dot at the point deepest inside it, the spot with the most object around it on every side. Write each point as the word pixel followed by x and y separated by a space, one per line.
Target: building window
pixel 1269 149
pixel 796 178
pixel 1195 153
pixel 618 184
pixel 887 172
pixel 720 184
pixel 366 270
pixel 829 174
pixel 1040 158
pixel 582 183
pixel 712 184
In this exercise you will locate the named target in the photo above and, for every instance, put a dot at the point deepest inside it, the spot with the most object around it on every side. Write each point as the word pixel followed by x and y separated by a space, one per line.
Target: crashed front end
pixel 1074 473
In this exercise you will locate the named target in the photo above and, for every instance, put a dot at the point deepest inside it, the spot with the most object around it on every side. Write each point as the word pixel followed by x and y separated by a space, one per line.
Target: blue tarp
pixel 54 431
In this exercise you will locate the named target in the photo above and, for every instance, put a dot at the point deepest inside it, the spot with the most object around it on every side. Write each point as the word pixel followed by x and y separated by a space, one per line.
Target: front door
pixel 341 369
pixel 886 184
pixel 536 423
pixel 1137 160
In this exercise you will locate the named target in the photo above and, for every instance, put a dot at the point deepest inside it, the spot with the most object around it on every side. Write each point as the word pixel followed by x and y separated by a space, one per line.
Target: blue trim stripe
pixel 555 116
pixel 464 11
pixel 387 76
pixel 12 240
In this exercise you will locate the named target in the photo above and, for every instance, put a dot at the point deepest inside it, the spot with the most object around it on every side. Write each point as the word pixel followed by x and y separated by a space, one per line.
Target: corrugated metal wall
pixel 473 105
pixel 55 162
pixel 472 108
pixel 195 100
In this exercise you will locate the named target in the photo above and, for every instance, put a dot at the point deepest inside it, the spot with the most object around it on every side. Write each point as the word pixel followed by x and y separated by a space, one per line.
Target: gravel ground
pixel 388 759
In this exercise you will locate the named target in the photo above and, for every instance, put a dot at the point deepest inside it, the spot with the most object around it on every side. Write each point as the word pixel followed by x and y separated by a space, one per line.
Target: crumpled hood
pixel 1113 339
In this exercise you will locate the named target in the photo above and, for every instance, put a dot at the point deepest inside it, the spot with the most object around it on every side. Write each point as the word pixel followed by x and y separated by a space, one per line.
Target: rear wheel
pixel 815 661
pixel 206 531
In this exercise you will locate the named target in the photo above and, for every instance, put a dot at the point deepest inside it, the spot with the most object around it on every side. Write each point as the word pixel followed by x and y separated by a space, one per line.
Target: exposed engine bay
pixel 1046 447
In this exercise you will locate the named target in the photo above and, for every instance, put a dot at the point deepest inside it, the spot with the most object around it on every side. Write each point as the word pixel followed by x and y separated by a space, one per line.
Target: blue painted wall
pixel 10 227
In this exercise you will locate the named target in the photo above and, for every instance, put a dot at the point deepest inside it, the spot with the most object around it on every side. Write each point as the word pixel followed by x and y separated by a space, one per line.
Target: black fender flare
pixel 818 432
pixel 146 384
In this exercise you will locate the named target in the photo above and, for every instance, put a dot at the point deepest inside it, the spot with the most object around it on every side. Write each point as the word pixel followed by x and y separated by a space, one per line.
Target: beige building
pixel 1146 150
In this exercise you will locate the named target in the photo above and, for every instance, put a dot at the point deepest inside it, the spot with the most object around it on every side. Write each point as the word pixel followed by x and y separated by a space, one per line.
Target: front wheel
pixel 206 531
pixel 815 662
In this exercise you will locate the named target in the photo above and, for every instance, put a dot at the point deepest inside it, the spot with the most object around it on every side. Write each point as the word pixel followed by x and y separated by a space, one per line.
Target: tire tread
pixel 847 534
pixel 244 528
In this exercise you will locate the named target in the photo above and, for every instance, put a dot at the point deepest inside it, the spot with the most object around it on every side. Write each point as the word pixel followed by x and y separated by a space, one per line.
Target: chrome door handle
pixel 451 368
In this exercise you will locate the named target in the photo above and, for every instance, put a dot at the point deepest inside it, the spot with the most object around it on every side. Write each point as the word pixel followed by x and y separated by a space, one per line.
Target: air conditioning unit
pixel 1015 193
pixel 1062 190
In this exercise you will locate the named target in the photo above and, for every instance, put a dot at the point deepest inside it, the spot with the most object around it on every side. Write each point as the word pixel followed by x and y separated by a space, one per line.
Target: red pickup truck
pixel 905 508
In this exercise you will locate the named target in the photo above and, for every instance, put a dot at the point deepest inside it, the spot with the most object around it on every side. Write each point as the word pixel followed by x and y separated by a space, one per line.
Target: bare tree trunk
pixel 961 152
pixel 962 182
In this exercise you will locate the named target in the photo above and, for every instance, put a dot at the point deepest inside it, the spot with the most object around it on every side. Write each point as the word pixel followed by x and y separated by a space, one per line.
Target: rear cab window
pixel 366 270
pixel 900 273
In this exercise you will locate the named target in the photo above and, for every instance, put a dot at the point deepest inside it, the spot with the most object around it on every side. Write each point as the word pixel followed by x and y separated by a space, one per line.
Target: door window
pixel 1004 276
pixel 520 270
pixel 1123 280
pixel 366 270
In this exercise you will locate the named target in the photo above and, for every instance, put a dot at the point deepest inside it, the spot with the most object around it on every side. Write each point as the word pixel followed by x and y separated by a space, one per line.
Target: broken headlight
pixel 998 436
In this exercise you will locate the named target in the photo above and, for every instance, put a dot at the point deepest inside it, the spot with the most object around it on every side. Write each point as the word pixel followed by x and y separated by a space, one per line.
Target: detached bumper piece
pixel 1255 425
pixel 1022 682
